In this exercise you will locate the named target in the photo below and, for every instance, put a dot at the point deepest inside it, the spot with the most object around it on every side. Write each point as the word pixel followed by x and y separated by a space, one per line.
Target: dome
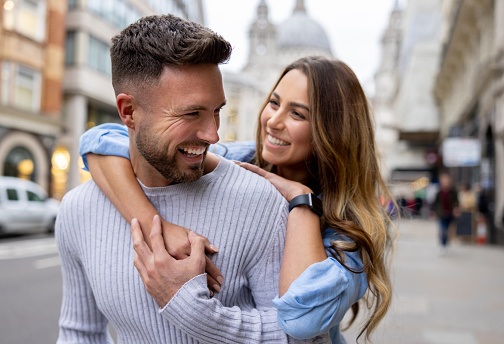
pixel 301 31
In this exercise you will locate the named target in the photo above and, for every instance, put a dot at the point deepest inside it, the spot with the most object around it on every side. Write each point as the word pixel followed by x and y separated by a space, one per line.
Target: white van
pixel 25 208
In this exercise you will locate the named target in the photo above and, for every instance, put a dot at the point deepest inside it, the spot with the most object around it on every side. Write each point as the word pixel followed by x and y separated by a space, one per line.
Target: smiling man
pixel 169 93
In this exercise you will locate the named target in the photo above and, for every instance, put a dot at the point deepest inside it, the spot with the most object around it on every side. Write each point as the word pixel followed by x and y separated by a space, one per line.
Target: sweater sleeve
pixel 105 139
pixel 80 319
pixel 192 303
pixel 318 299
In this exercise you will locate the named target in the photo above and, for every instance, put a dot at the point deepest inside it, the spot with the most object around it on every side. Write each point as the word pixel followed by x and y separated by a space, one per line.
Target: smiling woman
pixel 285 122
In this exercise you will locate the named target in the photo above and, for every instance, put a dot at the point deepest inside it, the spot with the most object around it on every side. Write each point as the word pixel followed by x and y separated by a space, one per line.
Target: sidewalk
pixel 457 298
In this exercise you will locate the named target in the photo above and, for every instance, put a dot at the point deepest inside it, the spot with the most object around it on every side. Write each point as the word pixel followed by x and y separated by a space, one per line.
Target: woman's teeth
pixel 193 151
pixel 277 142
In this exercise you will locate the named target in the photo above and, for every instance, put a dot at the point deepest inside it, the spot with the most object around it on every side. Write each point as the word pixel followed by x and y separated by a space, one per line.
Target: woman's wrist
pixel 302 190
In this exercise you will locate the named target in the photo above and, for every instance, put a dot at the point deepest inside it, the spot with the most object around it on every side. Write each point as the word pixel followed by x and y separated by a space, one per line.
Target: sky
pixel 354 28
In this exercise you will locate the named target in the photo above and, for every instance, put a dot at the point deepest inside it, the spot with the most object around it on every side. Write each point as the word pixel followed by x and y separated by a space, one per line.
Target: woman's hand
pixel 288 188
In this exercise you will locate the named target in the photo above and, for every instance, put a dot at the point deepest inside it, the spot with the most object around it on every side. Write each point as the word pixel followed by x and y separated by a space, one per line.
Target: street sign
pixel 459 151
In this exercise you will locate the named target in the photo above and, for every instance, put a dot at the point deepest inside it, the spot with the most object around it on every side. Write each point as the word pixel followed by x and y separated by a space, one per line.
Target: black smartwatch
pixel 310 200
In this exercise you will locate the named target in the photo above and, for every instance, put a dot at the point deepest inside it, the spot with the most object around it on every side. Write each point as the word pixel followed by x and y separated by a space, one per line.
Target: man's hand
pixel 161 273
pixel 177 244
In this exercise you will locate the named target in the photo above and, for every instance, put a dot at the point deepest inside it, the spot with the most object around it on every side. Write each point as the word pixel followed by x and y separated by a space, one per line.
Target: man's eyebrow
pixel 199 107
pixel 292 103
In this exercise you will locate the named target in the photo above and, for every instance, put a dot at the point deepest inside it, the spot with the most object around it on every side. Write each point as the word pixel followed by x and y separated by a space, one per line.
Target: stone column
pixel 76 124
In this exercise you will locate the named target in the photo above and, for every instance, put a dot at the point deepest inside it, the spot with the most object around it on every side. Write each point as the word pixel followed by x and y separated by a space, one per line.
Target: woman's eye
pixel 299 115
pixel 273 102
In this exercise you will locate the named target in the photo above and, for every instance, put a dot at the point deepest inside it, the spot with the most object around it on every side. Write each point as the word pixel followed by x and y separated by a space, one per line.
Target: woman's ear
pixel 126 107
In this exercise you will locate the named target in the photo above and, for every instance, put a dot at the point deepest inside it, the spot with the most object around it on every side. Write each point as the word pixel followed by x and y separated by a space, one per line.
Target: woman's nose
pixel 276 121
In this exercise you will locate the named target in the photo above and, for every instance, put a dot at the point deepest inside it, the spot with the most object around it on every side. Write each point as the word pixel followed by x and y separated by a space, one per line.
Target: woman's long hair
pixel 346 171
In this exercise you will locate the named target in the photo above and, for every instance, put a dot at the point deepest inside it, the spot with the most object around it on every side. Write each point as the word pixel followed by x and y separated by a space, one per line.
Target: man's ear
pixel 126 106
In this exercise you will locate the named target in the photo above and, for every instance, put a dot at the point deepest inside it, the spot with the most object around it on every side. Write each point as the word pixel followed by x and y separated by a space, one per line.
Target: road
pixel 30 290
pixel 457 298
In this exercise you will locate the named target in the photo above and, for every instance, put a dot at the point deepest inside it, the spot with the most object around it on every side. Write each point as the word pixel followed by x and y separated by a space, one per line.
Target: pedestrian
pixel 315 135
pixel 445 206
pixel 169 93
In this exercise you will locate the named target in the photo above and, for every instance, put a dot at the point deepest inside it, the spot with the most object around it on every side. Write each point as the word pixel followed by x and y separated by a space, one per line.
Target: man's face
pixel 178 119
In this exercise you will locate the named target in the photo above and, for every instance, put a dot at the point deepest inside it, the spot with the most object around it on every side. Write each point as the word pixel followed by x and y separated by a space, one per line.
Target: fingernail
pixel 211 293
pixel 214 248
pixel 216 287
pixel 134 221
pixel 220 279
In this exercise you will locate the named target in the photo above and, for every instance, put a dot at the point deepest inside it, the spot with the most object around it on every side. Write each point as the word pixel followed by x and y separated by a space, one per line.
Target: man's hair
pixel 141 51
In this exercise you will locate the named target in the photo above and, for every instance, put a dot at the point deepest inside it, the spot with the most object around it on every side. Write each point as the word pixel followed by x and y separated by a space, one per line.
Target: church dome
pixel 301 31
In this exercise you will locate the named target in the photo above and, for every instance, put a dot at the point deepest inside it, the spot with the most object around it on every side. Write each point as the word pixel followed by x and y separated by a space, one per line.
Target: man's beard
pixel 166 163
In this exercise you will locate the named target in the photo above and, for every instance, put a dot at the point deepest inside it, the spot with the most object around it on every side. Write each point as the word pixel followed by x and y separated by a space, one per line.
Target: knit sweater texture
pixel 239 212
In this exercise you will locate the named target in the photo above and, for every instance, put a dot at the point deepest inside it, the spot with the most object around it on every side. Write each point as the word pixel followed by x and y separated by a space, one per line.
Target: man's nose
pixel 208 131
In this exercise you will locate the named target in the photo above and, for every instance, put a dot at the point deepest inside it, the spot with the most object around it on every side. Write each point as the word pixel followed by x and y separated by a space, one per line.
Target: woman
pixel 315 135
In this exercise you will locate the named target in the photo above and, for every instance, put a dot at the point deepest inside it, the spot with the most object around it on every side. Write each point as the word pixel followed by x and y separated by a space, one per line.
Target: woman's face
pixel 285 121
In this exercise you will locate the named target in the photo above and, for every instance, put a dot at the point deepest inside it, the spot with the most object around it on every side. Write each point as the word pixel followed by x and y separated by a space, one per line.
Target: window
pixel 72 4
pixel 12 195
pixel 99 56
pixel 33 197
pixel 70 48
pixel 27 17
pixel 20 163
pixel 21 86
pixel 116 12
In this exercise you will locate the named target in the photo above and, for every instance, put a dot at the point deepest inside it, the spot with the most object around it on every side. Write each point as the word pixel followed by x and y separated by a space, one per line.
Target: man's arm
pixel 80 320
pixel 180 285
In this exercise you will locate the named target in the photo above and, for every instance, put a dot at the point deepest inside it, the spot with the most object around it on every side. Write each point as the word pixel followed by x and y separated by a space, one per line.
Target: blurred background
pixel 433 71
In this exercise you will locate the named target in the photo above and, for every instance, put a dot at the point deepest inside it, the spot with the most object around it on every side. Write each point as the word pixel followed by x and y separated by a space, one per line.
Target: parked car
pixel 25 207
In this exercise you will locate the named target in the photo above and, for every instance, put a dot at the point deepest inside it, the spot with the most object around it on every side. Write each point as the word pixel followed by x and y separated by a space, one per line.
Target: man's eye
pixel 192 114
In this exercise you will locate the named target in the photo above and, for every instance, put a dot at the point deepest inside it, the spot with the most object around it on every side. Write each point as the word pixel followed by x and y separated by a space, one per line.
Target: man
pixel 169 92
pixel 445 206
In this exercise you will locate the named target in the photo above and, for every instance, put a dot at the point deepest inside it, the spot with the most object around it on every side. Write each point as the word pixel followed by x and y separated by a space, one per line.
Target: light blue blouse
pixel 316 301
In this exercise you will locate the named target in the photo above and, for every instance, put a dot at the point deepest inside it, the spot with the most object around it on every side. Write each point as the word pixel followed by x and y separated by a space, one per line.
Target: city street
pixel 457 298
pixel 453 299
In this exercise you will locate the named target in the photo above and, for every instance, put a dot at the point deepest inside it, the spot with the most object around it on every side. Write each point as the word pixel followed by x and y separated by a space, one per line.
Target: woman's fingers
pixel 253 168
pixel 197 257
pixel 214 276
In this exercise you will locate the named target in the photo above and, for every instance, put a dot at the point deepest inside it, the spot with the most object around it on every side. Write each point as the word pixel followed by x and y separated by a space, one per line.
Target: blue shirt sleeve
pixel 317 301
pixel 105 139
pixel 242 151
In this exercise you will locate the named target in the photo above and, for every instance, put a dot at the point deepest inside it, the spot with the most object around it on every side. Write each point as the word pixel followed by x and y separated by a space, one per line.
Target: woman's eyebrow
pixel 291 103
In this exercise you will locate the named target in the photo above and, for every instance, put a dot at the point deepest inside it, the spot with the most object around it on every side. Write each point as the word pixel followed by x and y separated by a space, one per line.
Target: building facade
pixel 87 87
pixel 406 111
pixel 470 92
pixel 31 57
pixel 271 48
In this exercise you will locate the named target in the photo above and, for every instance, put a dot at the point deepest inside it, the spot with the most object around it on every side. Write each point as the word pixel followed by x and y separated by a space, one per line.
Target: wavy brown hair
pixel 345 169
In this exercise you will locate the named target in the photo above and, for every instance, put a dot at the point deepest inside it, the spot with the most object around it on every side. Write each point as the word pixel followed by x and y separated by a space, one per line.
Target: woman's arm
pixel 115 177
pixel 303 241
pixel 120 186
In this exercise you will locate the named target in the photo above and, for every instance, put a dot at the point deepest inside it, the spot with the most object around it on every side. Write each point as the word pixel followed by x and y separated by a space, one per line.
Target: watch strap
pixel 309 200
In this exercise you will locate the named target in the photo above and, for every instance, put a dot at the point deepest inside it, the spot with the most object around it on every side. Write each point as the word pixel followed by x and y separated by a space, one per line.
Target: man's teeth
pixel 277 142
pixel 194 151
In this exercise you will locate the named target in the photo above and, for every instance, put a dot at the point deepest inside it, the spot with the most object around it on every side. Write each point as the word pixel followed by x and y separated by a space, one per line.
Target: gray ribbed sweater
pixel 239 212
